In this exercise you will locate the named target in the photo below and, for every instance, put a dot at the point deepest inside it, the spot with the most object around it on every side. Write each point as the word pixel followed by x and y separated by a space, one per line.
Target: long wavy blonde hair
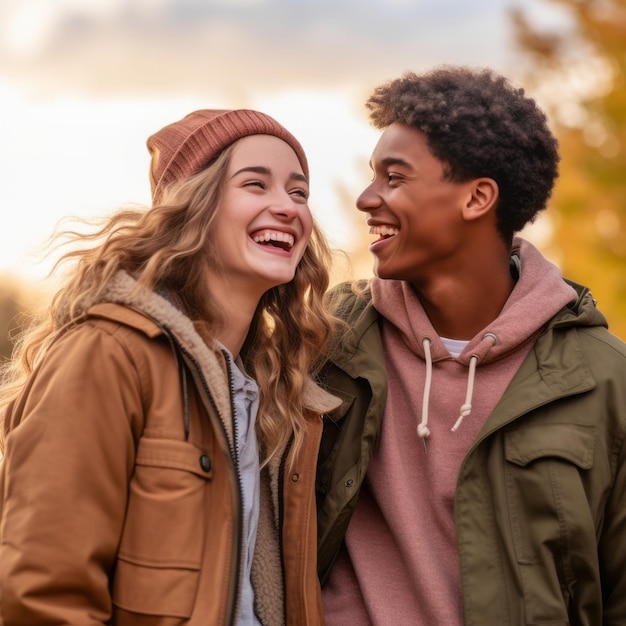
pixel 167 248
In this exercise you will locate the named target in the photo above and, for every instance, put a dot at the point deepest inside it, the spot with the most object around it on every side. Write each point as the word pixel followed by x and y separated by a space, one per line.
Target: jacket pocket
pixel 552 527
pixel 162 542
pixel 570 442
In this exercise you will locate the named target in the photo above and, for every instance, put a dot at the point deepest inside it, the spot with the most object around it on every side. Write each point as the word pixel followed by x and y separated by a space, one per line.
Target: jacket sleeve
pixel 64 479
pixel 612 546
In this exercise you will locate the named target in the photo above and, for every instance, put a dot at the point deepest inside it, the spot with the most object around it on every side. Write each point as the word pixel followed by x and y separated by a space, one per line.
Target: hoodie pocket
pixel 162 542
pixel 553 530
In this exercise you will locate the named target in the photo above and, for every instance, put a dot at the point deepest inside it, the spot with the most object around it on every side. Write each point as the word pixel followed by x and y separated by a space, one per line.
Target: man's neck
pixel 461 305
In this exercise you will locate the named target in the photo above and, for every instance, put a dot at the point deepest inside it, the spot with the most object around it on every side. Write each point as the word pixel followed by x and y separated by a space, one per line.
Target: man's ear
pixel 484 195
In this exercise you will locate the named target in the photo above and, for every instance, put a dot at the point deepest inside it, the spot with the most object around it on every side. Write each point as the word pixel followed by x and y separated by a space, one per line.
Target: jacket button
pixel 205 463
pixel 349 482
pixel 295 478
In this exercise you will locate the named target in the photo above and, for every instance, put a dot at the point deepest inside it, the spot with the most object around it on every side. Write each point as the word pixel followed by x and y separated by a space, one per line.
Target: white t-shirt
pixel 454 346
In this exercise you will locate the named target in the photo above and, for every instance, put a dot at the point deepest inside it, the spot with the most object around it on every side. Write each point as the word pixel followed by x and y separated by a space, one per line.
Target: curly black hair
pixel 478 125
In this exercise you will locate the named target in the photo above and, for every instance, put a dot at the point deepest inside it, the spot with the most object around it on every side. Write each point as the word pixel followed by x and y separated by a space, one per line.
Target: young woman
pixel 161 426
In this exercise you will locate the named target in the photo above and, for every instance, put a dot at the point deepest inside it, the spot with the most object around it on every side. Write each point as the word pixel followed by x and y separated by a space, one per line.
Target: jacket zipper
pixel 235 455
pixel 232 447
pixel 281 518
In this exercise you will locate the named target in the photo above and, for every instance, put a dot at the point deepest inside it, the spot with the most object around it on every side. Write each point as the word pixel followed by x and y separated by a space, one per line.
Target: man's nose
pixel 368 199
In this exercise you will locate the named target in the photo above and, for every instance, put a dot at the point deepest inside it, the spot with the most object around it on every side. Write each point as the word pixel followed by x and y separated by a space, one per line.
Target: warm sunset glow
pixel 82 85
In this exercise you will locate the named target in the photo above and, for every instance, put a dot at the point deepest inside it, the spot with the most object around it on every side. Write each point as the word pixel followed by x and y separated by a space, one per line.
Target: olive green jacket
pixel 540 507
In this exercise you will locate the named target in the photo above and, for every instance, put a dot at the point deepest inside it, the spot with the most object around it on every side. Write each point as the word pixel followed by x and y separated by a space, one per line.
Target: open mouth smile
pixel 274 238
pixel 384 231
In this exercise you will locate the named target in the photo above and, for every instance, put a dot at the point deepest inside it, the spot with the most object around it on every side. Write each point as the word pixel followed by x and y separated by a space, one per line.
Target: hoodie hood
pixel 539 294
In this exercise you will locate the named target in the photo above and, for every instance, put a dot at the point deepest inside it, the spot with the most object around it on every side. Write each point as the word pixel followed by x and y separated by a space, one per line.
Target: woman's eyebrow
pixel 261 169
pixel 256 169
pixel 298 176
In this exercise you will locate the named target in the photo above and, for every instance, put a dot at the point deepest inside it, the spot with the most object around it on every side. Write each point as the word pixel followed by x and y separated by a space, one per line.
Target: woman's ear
pixel 483 198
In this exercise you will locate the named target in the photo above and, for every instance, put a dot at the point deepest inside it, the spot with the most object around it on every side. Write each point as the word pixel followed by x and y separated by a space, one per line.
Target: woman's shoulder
pixel 110 316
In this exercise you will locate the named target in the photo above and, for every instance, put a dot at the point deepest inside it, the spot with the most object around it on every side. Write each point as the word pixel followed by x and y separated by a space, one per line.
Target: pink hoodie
pixel 400 563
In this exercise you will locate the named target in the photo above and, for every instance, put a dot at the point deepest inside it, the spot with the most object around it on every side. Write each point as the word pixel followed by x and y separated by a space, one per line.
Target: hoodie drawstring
pixel 466 408
pixel 423 432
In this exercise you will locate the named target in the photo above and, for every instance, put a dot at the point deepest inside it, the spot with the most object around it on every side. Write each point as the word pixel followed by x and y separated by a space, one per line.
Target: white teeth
pixel 274 235
pixel 384 230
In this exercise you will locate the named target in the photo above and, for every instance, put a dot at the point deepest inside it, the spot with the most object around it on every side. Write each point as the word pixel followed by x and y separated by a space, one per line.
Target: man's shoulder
pixel 604 346
pixel 347 300
pixel 356 340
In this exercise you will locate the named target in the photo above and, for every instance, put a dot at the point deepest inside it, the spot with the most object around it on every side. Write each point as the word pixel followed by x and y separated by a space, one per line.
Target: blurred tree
pixel 580 71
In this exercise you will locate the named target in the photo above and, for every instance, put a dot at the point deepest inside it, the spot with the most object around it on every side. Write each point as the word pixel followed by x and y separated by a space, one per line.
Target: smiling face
pixel 263 223
pixel 416 213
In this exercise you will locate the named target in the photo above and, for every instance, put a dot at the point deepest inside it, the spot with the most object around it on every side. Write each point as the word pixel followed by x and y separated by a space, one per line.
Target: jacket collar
pixel 555 368
pixel 154 314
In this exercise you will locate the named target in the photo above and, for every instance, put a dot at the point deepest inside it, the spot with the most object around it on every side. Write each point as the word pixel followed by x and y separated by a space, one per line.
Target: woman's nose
pixel 285 207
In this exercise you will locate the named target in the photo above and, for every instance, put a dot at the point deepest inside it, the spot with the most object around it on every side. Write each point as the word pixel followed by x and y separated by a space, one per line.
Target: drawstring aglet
pixel 423 432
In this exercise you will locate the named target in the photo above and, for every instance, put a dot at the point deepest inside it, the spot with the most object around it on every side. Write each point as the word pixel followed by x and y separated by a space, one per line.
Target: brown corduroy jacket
pixel 119 497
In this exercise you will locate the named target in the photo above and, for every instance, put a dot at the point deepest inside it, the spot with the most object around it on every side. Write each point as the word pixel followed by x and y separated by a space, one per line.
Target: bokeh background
pixel 84 82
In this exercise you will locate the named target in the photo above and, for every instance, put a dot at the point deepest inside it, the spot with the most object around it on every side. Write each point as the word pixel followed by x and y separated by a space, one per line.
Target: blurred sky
pixel 84 82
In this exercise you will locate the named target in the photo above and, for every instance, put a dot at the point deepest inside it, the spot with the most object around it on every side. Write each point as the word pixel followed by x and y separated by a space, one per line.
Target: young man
pixel 475 473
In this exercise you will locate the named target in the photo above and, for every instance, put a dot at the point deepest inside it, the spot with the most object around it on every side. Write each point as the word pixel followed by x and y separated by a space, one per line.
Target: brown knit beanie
pixel 183 148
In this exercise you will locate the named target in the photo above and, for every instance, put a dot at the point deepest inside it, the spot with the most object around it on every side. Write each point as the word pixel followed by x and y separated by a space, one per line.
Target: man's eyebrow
pixel 389 161
pixel 261 169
